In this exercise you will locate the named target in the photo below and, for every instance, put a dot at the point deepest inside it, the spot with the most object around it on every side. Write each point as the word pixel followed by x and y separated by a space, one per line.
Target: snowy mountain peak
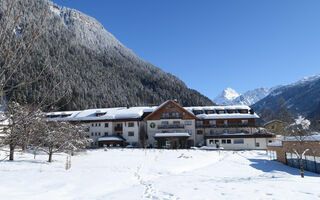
pixel 231 97
pixel 226 97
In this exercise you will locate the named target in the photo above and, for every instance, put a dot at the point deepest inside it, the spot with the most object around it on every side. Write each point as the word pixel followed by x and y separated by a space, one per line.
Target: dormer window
pixel 197 112
pixel 65 115
pixel 231 111
pixel 220 111
pixel 243 111
pixel 98 114
pixel 210 111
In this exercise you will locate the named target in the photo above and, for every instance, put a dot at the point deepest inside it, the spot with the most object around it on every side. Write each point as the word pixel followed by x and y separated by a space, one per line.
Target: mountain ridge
pixel 94 67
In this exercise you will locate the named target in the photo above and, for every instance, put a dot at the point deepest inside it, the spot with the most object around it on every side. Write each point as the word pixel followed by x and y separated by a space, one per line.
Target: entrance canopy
pixel 110 138
pixel 166 135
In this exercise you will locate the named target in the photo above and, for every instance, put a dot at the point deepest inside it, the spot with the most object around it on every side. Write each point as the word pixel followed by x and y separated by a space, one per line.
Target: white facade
pixel 168 126
pixel 240 143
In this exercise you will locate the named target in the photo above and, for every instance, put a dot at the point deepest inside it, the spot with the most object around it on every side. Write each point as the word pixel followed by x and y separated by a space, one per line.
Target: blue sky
pixel 211 44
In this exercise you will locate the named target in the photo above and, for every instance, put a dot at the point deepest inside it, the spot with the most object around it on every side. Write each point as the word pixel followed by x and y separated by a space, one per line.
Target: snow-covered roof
pixel 103 114
pixel 2 135
pixel 228 116
pixel 109 138
pixel 172 135
pixel 137 112
pixel 232 107
pixel 275 144
pixel 310 138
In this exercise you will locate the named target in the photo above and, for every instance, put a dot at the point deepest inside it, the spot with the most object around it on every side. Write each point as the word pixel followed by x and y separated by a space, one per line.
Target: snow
pixel 110 138
pixel 305 123
pixel 135 174
pixel 226 97
pixel 309 138
pixel 228 116
pixel 172 135
pixel 55 9
pixel 275 144
pixel 250 97
pixel 110 113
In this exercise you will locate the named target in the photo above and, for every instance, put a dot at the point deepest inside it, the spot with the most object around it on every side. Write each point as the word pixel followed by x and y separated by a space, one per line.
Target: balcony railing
pixel 224 125
pixel 170 126
pixel 118 128
pixel 170 117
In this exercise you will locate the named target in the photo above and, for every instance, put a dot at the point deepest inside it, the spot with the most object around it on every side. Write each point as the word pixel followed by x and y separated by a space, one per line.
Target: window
pixel 106 134
pixel 130 133
pixel 257 144
pixel 226 122
pixel 199 123
pixel 209 111
pixel 188 123
pixel 96 124
pixel 211 142
pixel 99 134
pixel 106 125
pixel 221 111
pixel 213 122
pixel 270 141
pixel 95 134
pixel 216 141
pixel 131 124
pixel 170 106
pixel 238 141
pixel 199 132
pixel 243 111
pixel 272 127
pixel 212 131
pixel 92 124
pixel 176 122
pixel 91 134
pixel 164 123
pixel 244 122
pixel 223 141
pixel 228 141
pixel 99 124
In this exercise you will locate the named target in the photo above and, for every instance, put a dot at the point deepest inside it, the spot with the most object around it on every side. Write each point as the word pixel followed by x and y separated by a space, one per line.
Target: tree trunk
pixel 50 157
pixel 301 168
pixel 12 147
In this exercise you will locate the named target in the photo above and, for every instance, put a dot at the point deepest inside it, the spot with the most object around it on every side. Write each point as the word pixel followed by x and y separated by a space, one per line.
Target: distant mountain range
pixel 230 97
pixel 94 67
pixel 301 97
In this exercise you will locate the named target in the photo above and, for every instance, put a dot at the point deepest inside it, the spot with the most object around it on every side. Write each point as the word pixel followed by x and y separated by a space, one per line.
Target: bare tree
pixel 54 137
pixel 18 131
pixel 299 133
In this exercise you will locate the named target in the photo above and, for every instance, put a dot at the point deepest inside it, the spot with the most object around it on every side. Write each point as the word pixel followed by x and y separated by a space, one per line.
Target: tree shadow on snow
pixel 273 166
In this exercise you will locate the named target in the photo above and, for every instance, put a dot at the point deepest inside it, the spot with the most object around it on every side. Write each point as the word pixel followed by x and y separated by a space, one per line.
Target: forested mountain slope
pixel 91 65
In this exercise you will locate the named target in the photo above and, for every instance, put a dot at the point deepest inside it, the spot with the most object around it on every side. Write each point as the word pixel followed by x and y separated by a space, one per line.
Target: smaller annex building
pixel 284 152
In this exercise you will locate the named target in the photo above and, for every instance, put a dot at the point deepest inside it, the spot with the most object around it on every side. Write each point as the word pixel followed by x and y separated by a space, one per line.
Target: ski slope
pixel 154 174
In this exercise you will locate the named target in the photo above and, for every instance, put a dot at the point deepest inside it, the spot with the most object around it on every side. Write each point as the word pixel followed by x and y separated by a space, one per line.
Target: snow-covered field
pixel 154 174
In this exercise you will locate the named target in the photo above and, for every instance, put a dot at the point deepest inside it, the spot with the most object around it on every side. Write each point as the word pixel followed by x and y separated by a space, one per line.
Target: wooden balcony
pixel 118 128
pixel 170 117
pixel 225 126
